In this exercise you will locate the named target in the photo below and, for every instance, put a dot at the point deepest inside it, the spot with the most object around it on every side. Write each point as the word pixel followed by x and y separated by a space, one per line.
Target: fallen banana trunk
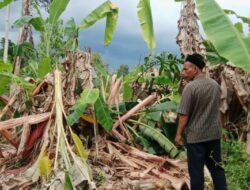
pixel 31 119
pixel 135 109
pixel 126 167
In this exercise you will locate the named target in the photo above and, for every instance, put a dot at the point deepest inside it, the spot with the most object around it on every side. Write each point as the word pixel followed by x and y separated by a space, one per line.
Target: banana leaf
pixel 101 70
pixel 88 96
pixel 154 116
pixel 239 27
pixel 70 28
pixel 68 184
pixel 165 106
pixel 103 114
pixel 227 40
pixel 44 67
pixel 36 22
pixel 166 144
pixel 80 173
pixel 81 151
pixel 214 58
pixel 5 81
pixel 244 19
pixel 107 9
pixel 7 77
pixel 112 18
pixel 45 166
pixel 146 22
pixel 4 3
pixel 56 9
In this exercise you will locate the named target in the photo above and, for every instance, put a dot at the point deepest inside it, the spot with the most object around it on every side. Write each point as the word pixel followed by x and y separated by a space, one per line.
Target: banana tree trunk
pixel 6 39
pixel 25 33
pixel 189 38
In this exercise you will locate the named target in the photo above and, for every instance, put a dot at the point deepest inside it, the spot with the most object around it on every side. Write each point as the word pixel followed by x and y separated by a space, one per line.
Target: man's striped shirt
pixel 200 102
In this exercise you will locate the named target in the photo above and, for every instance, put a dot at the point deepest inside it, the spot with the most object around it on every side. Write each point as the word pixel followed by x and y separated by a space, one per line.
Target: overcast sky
pixel 127 46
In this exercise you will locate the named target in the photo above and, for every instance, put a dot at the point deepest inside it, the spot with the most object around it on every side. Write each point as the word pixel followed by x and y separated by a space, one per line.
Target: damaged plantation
pixel 67 123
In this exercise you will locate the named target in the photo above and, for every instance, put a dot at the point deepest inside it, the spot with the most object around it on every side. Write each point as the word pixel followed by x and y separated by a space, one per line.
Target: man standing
pixel 199 117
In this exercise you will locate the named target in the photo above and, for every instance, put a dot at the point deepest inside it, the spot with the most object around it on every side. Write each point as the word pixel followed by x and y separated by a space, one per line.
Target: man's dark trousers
pixel 205 153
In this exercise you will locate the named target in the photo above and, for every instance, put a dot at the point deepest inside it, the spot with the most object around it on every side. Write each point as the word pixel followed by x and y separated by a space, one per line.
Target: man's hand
pixel 178 140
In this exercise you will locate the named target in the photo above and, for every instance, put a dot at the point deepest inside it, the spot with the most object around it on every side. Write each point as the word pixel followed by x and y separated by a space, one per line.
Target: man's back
pixel 200 101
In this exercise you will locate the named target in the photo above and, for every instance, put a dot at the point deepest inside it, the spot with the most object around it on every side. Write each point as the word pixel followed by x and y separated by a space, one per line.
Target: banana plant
pixel 146 22
pixel 56 9
pixel 7 77
pixel 227 40
pixel 91 97
pixel 5 3
pixel 107 9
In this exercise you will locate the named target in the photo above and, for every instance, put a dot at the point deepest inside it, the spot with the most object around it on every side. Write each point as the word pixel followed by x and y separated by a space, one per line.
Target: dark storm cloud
pixel 128 46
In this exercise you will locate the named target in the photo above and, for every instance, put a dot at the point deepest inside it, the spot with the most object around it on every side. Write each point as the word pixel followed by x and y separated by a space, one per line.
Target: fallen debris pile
pixel 126 167
pixel 44 147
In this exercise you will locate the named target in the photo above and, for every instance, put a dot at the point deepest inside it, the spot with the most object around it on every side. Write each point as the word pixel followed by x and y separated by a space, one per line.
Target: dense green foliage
pixel 226 38
pixel 236 164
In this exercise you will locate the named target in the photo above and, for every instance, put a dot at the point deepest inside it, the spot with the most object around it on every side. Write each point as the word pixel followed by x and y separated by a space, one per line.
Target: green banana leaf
pixel 70 28
pixel 244 19
pixel 4 3
pixel 155 134
pixel 227 40
pixel 101 70
pixel 5 81
pixel 164 106
pixel 68 184
pixel 212 55
pixel 56 9
pixel 44 67
pixel 146 22
pixel 239 27
pixel 22 21
pixel 18 80
pixel 23 48
pixel 107 9
pixel 103 115
pixel 88 96
pixel 154 116
pixel 36 22
pixel 111 22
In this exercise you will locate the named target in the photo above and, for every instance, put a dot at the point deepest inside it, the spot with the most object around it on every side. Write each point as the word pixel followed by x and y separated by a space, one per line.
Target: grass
pixel 236 164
